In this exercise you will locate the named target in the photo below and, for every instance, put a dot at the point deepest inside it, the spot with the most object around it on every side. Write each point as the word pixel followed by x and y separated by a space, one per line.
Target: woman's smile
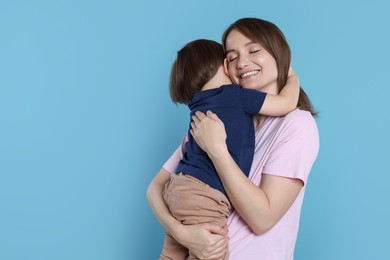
pixel 249 74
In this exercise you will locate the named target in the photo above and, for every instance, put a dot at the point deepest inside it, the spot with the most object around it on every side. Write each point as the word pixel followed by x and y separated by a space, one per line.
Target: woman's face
pixel 249 64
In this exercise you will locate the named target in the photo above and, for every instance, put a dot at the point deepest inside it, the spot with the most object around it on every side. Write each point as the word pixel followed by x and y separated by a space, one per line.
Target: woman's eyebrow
pixel 229 51
pixel 250 43
pixel 246 45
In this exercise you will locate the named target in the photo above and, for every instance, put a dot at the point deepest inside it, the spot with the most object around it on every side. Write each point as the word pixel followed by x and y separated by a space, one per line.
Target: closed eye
pixel 232 58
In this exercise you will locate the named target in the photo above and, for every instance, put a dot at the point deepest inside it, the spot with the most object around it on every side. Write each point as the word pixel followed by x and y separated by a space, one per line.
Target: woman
pixel 264 222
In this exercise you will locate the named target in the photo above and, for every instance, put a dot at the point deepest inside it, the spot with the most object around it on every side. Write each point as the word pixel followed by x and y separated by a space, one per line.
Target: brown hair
pixel 196 63
pixel 272 39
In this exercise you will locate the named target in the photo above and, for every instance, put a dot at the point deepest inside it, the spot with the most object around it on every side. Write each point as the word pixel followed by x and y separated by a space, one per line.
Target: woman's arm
pixel 261 207
pixel 205 240
pixel 284 102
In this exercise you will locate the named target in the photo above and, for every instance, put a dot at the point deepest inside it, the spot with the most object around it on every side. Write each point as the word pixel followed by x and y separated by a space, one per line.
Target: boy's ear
pixel 225 67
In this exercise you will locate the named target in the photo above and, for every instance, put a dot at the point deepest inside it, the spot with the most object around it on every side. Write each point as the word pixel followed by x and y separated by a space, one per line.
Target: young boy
pixel 199 78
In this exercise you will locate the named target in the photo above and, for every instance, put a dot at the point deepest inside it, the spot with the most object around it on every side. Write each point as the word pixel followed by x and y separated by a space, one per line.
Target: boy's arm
pixel 286 101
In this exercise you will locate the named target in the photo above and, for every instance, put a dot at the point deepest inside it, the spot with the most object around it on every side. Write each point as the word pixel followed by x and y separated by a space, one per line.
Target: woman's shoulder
pixel 301 123
pixel 297 123
pixel 297 129
pixel 299 117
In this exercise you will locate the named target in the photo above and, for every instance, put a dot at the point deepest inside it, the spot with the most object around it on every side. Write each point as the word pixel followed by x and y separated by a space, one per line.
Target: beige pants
pixel 192 202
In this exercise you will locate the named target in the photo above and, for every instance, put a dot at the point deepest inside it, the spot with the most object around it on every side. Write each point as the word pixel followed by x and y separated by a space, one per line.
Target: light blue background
pixel 86 121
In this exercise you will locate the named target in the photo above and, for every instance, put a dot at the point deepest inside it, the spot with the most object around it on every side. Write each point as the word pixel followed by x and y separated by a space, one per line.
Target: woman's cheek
pixel 235 81
pixel 233 78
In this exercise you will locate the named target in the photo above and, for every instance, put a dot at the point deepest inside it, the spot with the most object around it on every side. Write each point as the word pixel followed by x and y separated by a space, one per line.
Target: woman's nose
pixel 242 62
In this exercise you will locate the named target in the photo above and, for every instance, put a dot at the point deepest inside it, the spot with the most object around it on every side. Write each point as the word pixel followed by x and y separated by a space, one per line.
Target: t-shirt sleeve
pixel 252 100
pixel 295 150
pixel 175 158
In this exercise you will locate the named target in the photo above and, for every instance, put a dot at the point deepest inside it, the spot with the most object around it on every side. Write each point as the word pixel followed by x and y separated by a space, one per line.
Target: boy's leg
pixel 194 202
pixel 173 250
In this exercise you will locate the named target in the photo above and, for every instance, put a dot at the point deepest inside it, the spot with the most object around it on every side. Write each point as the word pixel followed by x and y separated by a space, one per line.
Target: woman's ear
pixel 225 67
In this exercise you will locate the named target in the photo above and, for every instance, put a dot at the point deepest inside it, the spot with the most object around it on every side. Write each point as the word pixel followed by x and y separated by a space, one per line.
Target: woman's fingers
pixel 218 250
pixel 212 115
pixel 204 242
pixel 208 132
pixel 196 118
pixel 216 229
pixel 200 115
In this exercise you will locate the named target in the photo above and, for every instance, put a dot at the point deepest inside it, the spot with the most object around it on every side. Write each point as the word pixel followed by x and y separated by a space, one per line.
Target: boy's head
pixel 197 62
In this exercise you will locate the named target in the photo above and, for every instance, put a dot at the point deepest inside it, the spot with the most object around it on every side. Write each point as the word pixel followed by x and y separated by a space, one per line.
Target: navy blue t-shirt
pixel 235 106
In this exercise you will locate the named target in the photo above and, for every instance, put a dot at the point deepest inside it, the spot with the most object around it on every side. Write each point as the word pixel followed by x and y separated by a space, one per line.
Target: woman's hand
pixel 209 133
pixel 206 241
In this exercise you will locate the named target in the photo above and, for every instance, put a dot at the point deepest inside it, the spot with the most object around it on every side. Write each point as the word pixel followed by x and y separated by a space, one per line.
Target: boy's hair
pixel 196 63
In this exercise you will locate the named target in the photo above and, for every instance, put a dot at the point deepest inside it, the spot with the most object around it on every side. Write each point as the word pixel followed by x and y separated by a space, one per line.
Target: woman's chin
pixel 250 85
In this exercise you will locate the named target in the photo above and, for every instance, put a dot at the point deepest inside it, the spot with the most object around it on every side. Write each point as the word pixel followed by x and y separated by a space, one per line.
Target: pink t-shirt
pixel 285 146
